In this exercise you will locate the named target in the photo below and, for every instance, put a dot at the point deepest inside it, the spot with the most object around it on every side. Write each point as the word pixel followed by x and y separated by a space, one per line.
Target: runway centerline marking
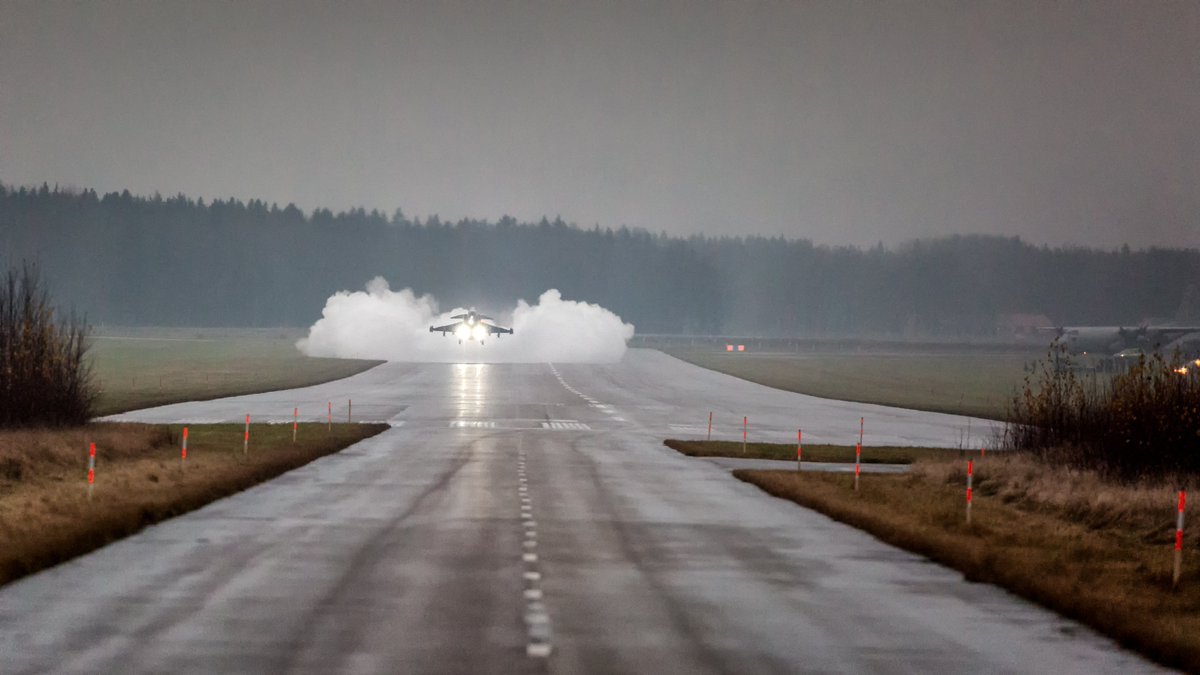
pixel 537 620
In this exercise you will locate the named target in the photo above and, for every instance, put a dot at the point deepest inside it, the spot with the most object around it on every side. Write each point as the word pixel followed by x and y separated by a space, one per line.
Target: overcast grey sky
pixel 842 121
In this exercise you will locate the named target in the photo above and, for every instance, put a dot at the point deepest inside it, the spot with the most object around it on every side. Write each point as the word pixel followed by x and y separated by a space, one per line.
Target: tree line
pixel 177 261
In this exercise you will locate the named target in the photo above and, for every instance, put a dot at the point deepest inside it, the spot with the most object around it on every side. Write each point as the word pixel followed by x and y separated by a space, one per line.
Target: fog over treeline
pixel 127 260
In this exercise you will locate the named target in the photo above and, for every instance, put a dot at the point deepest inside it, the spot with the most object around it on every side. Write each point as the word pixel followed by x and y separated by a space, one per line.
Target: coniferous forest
pixel 129 260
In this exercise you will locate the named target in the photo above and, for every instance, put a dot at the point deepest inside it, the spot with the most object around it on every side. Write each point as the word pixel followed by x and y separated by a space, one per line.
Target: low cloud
pixel 380 323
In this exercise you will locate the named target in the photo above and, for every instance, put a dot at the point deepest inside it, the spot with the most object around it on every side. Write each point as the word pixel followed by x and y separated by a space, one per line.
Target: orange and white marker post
pixel 246 438
pixel 709 426
pixel 183 450
pixel 91 469
pixel 745 427
pixel 858 454
pixel 970 486
pixel 1179 540
pixel 330 413
pixel 295 423
pixel 799 448
pixel 857 464
pixel 349 409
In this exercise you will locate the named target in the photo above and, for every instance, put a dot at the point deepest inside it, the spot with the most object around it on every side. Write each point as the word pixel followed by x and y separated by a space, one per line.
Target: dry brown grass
pixel 1092 550
pixel 812 453
pixel 46 518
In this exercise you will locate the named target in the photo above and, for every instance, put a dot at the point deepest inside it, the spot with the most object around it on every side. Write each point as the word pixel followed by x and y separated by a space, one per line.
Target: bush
pixel 45 379
pixel 1141 423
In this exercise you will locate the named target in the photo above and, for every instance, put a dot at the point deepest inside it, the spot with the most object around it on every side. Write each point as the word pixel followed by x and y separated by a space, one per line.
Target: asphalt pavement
pixel 526 518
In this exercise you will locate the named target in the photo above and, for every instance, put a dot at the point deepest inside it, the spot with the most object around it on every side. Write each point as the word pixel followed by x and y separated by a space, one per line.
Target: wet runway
pixel 526 518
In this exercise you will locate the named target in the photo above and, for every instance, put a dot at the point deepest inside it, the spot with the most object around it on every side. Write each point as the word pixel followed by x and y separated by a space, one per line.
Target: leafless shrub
pixel 1142 423
pixel 45 379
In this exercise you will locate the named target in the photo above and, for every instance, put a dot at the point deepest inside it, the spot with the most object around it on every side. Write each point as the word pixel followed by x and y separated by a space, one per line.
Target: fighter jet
pixel 471 326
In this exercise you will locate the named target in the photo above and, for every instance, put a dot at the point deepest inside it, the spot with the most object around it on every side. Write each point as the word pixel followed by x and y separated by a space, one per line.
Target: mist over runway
pixel 526 518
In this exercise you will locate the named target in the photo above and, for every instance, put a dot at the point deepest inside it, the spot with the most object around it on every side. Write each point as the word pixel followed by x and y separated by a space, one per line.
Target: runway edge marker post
pixel 970 486
pixel 745 427
pixel 183 450
pixel 799 448
pixel 295 423
pixel 91 469
pixel 329 412
pixel 349 409
pixel 858 454
pixel 1179 540
pixel 709 426
pixel 246 438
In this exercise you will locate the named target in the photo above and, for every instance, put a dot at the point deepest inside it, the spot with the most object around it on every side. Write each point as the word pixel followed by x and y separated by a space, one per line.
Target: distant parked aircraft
pixel 1112 339
pixel 471 326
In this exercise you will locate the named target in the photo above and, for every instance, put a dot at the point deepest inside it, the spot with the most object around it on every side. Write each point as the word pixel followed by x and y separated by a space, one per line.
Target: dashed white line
pixel 537 620
pixel 566 426
pixel 472 424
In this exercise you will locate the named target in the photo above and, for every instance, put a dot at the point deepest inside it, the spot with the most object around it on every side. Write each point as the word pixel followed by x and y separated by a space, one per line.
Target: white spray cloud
pixel 380 323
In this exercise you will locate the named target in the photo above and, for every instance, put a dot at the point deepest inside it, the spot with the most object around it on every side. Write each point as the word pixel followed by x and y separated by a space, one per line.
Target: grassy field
pixel 143 371
pixel 46 516
pixel 1094 551
pixel 812 453
pixel 961 382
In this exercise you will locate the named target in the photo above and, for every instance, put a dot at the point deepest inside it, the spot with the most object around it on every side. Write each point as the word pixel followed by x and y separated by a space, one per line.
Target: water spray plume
pixel 379 323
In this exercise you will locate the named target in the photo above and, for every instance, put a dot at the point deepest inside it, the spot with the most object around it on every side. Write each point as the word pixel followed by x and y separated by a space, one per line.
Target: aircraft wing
pixel 448 328
pixel 498 330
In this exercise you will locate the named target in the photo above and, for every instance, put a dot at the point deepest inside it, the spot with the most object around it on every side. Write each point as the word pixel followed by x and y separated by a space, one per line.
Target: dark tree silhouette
pixel 130 260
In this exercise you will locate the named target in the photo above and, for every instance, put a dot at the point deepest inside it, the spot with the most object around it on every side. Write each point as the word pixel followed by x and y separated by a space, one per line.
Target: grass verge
pixel 144 371
pixel 812 453
pixel 958 382
pixel 46 518
pixel 1097 552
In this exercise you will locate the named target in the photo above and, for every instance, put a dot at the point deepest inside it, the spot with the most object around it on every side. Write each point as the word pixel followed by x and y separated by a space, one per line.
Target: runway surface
pixel 526 518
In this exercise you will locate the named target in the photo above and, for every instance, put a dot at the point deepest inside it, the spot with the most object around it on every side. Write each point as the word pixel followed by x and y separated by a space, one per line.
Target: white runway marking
pixel 566 426
pixel 472 424
pixel 537 620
